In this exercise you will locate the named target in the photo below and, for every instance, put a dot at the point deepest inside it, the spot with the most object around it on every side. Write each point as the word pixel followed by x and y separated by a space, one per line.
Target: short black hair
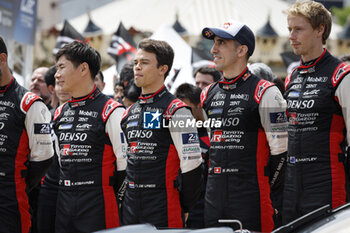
pixel 50 76
pixel 208 70
pixel 101 75
pixel 262 71
pixel 163 51
pixel 132 92
pixel 189 91
pixel 3 48
pixel 78 53
pixel 127 73
pixel 345 58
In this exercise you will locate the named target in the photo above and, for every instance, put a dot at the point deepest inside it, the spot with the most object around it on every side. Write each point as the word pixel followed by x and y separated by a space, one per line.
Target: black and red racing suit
pixel 25 153
pixel 247 143
pixel 318 100
pixel 159 144
pixel 92 161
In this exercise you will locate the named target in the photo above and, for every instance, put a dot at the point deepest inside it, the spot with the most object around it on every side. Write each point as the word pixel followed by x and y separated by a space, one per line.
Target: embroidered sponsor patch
pixel 43 128
pixel 278 117
pixel 132 124
pixel 294 94
pixel 190 138
pixel 65 126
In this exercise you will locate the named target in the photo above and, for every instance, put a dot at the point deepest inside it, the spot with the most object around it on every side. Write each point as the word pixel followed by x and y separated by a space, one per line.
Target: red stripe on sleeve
pixel 22 198
pixel 266 210
pixel 173 198
pixel 111 208
pixel 337 168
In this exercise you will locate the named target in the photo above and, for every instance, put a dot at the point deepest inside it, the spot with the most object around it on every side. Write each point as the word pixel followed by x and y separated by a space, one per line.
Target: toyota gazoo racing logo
pixel 133 147
pixel 65 150
pixel 217 136
pixel 217 170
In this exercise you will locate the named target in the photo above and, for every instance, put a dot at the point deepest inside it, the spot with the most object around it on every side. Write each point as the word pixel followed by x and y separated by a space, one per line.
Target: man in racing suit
pixel 25 148
pixel 90 145
pixel 159 144
pixel 248 134
pixel 318 104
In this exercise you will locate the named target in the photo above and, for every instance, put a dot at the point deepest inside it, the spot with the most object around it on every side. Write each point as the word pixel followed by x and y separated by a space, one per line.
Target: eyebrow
pixel 219 39
pixel 142 59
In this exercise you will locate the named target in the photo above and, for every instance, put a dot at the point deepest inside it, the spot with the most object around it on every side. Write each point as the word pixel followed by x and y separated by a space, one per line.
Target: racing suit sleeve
pixel 186 141
pixel 272 111
pixel 343 95
pixel 37 124
pixel 116 135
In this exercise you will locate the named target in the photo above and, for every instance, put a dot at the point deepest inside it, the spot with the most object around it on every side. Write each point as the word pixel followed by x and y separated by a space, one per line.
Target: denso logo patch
pixel 301 104
pixel 73 137
pixel 139 134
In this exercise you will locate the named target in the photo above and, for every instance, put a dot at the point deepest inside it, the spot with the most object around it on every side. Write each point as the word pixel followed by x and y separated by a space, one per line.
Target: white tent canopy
pixel 194 15
pixel 18 78
pixel 182 59
pixel 108 75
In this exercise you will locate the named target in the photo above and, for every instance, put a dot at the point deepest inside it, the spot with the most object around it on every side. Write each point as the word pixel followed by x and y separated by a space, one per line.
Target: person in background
pixel 122 84
pixel 156 148
pixel 50 83
pixel 25 148
pixel 46 213
pixel 263 71
pixel 131 94
pixel 118 91
pixel 204 76
pixel 38 85
pixel 345 58
pixel 62 96
pixel 126 74
pixel 318 98
pixel 90 144
pixel 99 81
pixel 49 78
pixel 249 142
pixel 190 95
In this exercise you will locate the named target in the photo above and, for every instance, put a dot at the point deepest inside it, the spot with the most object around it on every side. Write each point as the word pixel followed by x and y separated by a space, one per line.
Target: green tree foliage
pixel 341 14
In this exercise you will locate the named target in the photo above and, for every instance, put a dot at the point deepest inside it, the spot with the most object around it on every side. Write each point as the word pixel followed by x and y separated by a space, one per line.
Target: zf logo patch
pixel 151 120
